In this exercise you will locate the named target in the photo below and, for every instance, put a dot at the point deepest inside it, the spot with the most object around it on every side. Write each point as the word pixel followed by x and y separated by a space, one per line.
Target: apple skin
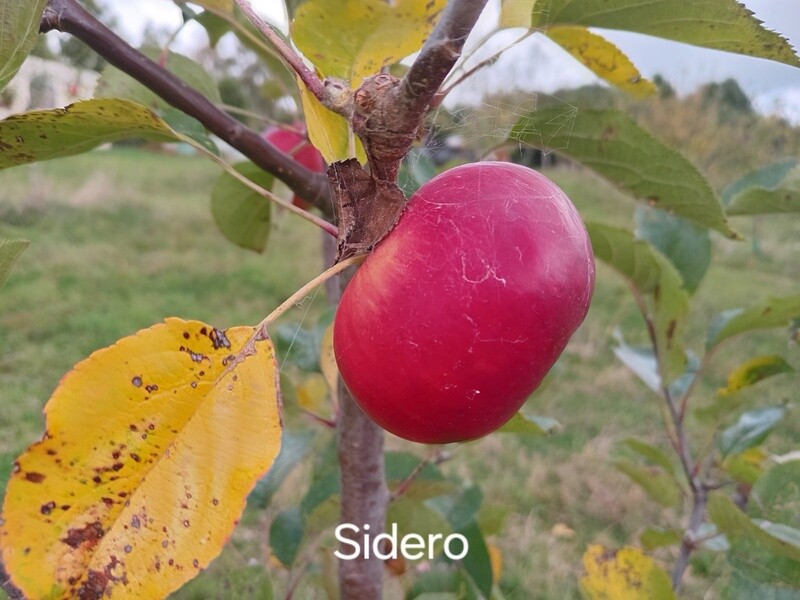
pixel 293 141
pixel 459 313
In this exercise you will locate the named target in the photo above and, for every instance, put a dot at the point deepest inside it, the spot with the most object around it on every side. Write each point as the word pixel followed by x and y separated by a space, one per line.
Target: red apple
pixel 294 142
pixel 460 312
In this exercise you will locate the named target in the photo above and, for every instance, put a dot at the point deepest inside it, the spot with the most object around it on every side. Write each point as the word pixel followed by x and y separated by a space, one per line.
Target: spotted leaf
pixel 152 446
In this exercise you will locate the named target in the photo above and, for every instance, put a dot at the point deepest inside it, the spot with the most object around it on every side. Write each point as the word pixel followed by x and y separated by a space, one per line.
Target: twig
pixel 308 77
pixel 70 17
pixel 481 65
pixel 689 544
pixel 435 456
pixel 439 54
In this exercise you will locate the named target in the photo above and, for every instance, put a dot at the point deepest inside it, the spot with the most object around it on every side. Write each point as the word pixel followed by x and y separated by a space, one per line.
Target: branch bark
pixel 388 112
pixel 69 16
pixel 440 53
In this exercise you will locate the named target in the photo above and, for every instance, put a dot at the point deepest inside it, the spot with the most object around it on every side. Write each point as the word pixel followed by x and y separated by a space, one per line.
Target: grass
pixel 123 239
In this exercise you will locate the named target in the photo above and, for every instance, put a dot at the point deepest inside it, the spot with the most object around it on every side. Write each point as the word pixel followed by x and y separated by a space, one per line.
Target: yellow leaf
pixel 312 395
pixel 516 13
pixel 327 362
pixel 496 560
pixel 152 446
pixel 626 574
pixel 329 132
pixel 353 39
pixel 603 58
pixel 752 371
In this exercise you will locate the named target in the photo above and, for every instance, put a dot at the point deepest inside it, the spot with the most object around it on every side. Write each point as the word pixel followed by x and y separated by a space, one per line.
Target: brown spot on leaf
pixel 137 381
pixel 89 535
pixel 219 339
pixel 46 509
pixel 135 522
pixel 94 587
pixel 34 477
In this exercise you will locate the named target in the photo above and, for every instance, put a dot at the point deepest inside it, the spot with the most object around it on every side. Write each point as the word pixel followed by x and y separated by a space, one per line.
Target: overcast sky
pixel 539 64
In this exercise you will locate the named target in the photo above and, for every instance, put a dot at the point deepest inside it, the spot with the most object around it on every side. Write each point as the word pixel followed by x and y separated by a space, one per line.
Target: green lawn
pixel 122 239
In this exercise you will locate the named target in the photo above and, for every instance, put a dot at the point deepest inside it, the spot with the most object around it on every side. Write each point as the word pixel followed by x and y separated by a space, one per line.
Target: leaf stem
pixel 326 226
pixel 292 58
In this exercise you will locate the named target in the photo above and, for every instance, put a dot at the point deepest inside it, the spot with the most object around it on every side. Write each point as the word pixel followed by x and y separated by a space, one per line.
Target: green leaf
pixel 300 346
pixel 286 535
pixel 657 484
pixel 114 83
pixel 427 482
pixel 753 371
pixel 294 448
pixel 414 516
pixel 759 201
pixel 687 246
pixel 189 127
pixel 616 147
pixel 440 582
pixel 19 31
pixel 477 562
pixel 752 428
pixel 742 587
pixel 243 215
pixel 655 537
pixel 759 563
pixel 773 312
pixel 460 509
pixel 9 253
pixel 776 495
pixel 719 24
pixel 657 281
pixel 603 58
pixel 651 454
pixel 530 425
pixel 745 467
pixel 767 177
pixel 779 540
pixel 353 39
pixel 80 127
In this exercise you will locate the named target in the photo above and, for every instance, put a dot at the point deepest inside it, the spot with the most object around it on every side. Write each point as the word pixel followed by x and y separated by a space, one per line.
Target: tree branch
pixel 388 112
pixel 69 16
pixel 440 53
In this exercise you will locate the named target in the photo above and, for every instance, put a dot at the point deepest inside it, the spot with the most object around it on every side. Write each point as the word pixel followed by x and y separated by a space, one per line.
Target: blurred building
pixel 43 83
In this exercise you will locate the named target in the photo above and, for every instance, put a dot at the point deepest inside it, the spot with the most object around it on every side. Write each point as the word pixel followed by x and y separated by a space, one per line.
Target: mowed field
pixel 121 240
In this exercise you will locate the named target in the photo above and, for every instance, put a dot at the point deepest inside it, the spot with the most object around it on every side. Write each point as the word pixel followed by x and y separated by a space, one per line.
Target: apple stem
pixel 261 328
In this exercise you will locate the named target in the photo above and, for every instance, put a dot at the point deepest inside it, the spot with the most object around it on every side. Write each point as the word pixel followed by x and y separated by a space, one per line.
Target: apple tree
pixel 457 296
